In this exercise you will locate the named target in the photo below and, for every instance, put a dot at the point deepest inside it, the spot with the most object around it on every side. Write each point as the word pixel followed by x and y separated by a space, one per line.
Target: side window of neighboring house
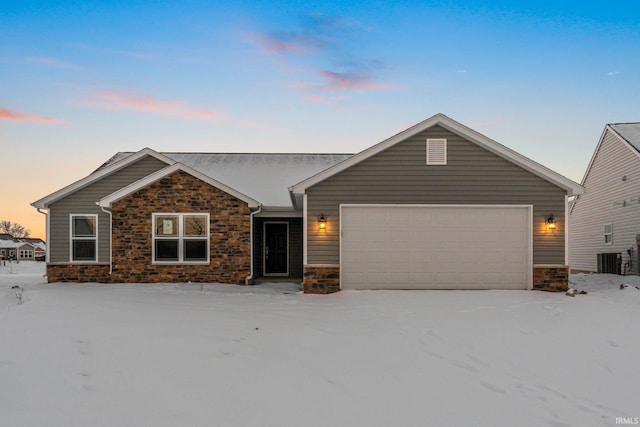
pixel 25 254
pixel 180 238
pixel 608 234
pixel 84 237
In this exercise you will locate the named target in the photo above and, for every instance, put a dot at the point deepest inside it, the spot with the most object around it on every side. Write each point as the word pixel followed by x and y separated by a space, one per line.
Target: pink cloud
pixel 324 100
pixel 316 98
pixel 334 81
pixel 6 114
pixel 146 103
pixel 349 80
pixel 278 45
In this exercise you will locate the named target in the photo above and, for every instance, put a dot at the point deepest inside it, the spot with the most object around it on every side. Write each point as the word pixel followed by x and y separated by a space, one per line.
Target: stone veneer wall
pixel 229 222
pixel 78 273
pixel 554 278
pixel 326 279
pixel 321 279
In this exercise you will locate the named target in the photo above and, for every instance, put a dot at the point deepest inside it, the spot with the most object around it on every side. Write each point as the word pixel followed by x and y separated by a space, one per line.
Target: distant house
pixel 24 248
pixel 16 250
pixel 605 220
pixel 437 206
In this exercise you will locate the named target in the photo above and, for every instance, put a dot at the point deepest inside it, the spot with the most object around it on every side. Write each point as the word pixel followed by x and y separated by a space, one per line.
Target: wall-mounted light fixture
pixel 551 222
pixel 322 222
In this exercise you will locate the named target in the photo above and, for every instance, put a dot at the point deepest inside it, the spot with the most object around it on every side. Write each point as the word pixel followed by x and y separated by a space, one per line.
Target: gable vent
pixel 437 151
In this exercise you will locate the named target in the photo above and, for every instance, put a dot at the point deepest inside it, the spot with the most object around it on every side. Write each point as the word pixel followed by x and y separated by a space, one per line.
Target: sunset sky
pixel 80 81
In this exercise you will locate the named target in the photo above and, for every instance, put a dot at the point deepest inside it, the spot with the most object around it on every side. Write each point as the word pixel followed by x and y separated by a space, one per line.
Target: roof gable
pixel 264 177
pixel 627 133
pixel 97 175
pixel 106 201
pixel 459 129
pixel 630 132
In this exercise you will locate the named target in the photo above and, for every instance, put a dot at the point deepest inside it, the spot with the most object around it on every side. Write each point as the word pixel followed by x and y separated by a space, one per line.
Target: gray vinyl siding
pixel 84 201
pixel 295 245
pixel 400 175
pixel 604 187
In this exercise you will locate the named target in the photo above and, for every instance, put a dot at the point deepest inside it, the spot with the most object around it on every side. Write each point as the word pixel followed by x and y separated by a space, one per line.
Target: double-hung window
pixel 608 234
pixel 180 238
pixel 84 237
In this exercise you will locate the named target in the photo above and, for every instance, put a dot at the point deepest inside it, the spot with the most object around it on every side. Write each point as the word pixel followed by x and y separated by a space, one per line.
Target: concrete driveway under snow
pixel 169 355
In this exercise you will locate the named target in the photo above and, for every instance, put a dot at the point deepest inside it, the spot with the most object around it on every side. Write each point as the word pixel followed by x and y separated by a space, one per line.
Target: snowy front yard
pixel 179 355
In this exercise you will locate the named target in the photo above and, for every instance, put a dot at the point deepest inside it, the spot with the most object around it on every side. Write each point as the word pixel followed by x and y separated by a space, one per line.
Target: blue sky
pixel 82 80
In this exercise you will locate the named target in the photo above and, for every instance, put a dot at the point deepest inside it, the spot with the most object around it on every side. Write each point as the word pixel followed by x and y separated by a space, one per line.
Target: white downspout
pixel 46 232
pixel 110 242
pixel 566 231
pixel 249 278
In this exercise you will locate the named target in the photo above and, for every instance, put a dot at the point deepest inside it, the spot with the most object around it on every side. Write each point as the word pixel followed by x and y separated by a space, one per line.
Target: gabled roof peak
pixel 458 128
pixel 99 173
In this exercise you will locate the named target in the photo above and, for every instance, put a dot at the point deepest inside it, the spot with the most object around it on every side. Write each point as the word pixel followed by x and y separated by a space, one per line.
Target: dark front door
pixel 276 248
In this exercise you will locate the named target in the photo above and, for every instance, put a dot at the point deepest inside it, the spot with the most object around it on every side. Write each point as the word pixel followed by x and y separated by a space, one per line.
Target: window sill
pixel 78 263
pixel 180 262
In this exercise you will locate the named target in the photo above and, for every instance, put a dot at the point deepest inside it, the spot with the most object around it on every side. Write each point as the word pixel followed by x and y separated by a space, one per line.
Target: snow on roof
pixel 10 244
pixel 264 177
pixel 629 131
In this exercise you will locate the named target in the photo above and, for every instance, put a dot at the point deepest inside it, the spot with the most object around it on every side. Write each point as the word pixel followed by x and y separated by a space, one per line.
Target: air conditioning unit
pixel 610 263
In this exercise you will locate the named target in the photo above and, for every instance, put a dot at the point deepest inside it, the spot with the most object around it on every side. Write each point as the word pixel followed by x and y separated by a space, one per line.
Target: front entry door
pixel 276 250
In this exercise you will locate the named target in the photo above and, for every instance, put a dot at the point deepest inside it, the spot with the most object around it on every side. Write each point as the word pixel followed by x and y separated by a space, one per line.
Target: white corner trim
pixel 305 223
pixel 91 178
pixel 566 230
pixel 156 176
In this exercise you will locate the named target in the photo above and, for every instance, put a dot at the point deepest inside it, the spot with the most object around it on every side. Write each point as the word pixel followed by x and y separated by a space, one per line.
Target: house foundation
pixel 98 273
pixel 321 279
pixel 550 277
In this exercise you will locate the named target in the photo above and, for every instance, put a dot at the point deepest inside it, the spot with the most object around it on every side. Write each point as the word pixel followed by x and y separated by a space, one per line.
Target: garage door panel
pixel 435 247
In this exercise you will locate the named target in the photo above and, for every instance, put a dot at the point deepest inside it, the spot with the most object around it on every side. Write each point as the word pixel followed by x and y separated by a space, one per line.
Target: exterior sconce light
pixel 551 223
pixel 322 222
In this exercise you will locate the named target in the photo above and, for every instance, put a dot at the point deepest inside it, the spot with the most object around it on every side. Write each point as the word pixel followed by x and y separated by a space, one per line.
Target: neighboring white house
pixel 16 250
pixel 26 248
pixel 605 220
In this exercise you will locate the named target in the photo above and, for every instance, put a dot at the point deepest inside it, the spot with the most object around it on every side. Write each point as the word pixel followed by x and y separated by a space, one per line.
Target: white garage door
pixel 435 247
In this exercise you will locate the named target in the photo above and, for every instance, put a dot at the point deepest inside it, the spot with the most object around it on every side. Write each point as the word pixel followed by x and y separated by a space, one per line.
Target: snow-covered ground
pixel 268 355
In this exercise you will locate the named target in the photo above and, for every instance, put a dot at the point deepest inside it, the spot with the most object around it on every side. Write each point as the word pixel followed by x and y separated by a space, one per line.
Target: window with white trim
pixel 26 253
pixel 180 238
pixel 436 151
pixel 608 234
pixel 84 237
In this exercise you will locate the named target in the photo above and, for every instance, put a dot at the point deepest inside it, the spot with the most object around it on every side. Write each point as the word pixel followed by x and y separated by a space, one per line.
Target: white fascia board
pixel 606 129
pixel 363 155
pixel 593 156
pixel 96 176
pixel 570 186
pixel 106 201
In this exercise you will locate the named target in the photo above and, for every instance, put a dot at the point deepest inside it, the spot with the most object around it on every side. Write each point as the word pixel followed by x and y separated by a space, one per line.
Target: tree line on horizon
pixel 18 231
